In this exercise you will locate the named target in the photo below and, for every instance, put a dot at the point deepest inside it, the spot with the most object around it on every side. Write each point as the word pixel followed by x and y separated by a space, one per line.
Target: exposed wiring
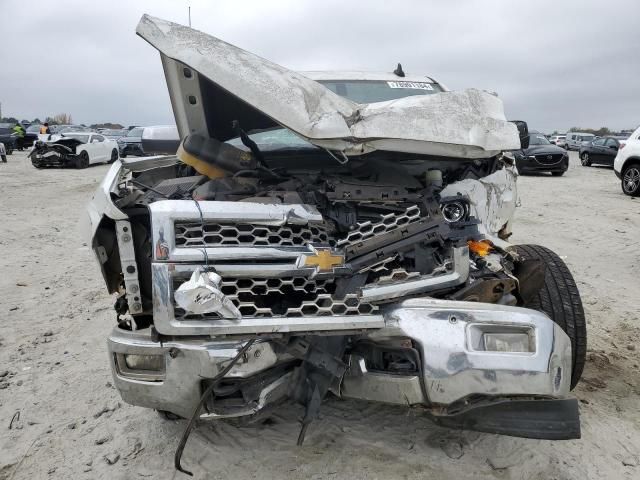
pixel 196 412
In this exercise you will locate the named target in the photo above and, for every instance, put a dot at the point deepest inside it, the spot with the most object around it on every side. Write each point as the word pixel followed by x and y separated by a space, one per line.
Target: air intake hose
pixel 213 158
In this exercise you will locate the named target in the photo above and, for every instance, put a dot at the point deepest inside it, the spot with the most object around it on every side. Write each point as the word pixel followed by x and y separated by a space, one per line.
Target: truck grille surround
pixel 260 251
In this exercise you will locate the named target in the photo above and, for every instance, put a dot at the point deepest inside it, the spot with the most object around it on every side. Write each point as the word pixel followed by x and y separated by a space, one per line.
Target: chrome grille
pixel 212 234
pixel 549 159
pixel 387 222
pixel 283 297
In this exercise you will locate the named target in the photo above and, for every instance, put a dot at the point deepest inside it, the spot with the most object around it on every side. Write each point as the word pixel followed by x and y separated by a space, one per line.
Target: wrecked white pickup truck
pixel 332 232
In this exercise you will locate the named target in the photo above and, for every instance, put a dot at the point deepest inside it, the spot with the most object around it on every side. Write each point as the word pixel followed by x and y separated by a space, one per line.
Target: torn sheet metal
pixel 493 200
pixel 261 94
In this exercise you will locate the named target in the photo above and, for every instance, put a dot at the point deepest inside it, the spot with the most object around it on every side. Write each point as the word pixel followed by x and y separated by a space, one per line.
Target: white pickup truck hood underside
pixel 261 94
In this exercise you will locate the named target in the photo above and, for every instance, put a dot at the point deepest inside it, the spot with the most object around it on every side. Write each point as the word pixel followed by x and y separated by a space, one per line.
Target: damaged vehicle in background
pixel 131 143
pixel 331 232
pixel 73 149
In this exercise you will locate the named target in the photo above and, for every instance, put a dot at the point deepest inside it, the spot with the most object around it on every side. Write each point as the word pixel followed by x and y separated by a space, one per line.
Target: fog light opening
pixel 147 363
pixel 507 342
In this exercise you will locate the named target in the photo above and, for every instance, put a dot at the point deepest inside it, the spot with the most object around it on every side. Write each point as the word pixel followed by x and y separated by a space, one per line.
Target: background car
pixel 575 139
pixel 559 140
pixel 541 156
pixel 131 143
pixel 627 165
pixel 74 149
pixel 600 151
pixel 113 134
pixel 8 137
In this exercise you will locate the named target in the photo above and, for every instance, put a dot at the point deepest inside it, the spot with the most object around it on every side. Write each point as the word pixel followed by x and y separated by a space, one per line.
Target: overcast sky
pixel 554 64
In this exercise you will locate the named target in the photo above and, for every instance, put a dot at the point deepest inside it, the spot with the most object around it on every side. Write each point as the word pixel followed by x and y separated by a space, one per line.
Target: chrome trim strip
pixel 460 273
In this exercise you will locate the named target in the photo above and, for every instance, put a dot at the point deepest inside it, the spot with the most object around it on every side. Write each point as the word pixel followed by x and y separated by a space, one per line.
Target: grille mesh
pixel 193 234
pixel 283 297
pixel 387 222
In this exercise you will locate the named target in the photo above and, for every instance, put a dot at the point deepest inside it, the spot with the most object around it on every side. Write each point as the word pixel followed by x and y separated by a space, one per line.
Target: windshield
pixel 538 140
pixel 135 132
pixel 5 131
pixel 360 91
pixel 33 129
pixel 81 138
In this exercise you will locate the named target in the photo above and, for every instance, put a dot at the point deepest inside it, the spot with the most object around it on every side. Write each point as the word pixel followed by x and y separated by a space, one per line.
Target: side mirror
pixel 613 147
pixel 523 131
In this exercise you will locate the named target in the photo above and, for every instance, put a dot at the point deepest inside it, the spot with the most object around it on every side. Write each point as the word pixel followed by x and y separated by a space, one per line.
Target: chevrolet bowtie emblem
pixel 323 260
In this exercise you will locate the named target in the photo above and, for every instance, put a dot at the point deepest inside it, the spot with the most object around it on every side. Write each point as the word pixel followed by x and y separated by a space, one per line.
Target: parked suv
pixel 541 156
pixel 332 231
pixel 627 165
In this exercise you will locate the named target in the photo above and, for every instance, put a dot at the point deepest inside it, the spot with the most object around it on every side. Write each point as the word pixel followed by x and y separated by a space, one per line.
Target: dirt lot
pixel 60 416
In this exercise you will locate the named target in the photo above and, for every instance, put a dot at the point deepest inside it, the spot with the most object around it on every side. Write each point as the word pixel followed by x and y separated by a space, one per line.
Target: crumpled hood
pixel 224 83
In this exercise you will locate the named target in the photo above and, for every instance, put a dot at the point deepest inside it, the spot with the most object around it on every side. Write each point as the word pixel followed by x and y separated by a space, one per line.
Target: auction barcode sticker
pixel 416 85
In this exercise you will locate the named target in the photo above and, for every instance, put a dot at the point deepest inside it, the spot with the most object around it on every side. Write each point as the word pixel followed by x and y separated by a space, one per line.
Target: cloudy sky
pixel 555 64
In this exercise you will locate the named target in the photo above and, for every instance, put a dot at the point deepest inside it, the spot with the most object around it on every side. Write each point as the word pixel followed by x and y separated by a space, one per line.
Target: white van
pixel 575 139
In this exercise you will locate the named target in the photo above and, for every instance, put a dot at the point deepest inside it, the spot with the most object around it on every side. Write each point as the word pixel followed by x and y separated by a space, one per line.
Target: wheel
pixel 559 298
pixel 114 155
pixel 585 160
pixel 631 179
pixel 557 174
pixel 83 160
pixel 123 155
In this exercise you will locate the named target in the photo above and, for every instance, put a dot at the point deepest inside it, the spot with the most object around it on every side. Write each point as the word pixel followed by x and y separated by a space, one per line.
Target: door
pixel 610 150
pixel 596 152
pixel 99 147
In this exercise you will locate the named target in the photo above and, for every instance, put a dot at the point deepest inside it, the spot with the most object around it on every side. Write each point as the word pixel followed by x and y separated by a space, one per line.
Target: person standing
pixel 19 131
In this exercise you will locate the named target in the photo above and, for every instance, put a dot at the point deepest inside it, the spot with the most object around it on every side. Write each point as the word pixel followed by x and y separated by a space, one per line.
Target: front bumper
pixel 52 158
pixel 130 149
pixel 455 371
pixel 530 165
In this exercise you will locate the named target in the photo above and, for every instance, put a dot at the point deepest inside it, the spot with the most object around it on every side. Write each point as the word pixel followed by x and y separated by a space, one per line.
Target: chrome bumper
pixel 446 334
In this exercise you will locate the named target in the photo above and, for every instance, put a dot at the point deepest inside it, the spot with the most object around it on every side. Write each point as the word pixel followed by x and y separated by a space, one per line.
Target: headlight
pixel 454 210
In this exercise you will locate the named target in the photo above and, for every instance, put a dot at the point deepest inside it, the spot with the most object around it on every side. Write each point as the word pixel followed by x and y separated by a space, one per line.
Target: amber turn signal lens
pixel 481 248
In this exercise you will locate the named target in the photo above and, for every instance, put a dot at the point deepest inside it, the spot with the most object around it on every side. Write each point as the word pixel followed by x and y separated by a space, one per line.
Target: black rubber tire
pixel 83 160
pixel 557 174
pixel 560 299
pixel 627 189
pixel 585 160
pixel 114 156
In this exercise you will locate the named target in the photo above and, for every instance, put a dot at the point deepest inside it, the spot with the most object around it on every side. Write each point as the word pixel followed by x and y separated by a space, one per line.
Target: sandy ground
pixel 60 416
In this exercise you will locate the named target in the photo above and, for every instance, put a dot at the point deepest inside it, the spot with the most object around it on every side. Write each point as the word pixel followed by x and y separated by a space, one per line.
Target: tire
pixel 83 160
pixel 631 179
pixel 559 298
pixel 585 160
pixel 114 156
pixel 557 174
